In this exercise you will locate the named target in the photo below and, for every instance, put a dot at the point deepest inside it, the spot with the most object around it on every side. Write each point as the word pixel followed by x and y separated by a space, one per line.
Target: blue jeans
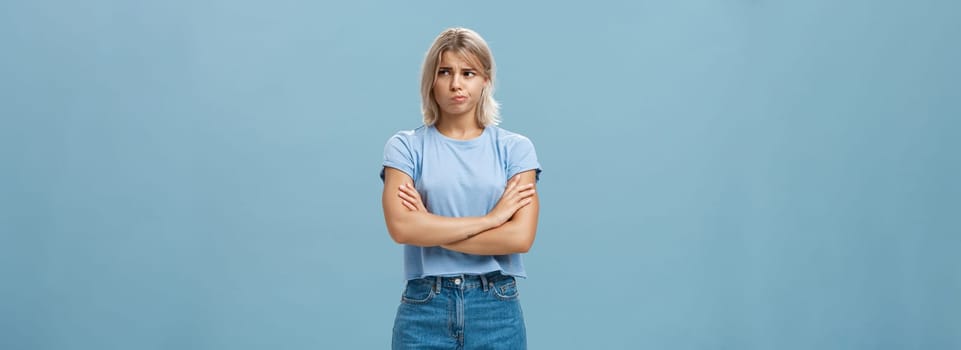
pixel 462 312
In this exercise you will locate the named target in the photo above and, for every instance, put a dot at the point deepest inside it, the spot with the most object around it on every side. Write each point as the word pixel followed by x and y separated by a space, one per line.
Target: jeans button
pixel 457 281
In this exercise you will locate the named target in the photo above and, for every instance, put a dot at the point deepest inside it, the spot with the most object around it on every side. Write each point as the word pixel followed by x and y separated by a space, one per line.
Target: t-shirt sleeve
pixel 522 157
pixel 398 155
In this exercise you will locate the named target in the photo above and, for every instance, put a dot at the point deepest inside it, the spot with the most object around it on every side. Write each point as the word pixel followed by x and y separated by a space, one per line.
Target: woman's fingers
pixel 521 188
pixel 523 191
pixel 527 189
pixel 405 196
pixel 512 185
pixel 411 203
pixel 409 190
pixel 515 196
pixel 522 196
pixel 409 195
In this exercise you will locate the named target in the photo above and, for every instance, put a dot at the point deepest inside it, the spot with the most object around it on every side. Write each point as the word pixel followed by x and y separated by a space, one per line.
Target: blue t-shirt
pixel 458 178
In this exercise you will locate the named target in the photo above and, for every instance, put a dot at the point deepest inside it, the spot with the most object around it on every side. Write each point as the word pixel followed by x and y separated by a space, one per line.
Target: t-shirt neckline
pixel 458 141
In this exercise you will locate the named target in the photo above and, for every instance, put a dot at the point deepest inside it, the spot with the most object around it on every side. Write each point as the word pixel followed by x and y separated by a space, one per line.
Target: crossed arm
pixel 508 228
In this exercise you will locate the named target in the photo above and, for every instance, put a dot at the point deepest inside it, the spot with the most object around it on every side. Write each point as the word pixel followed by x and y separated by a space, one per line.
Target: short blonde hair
pixel 474 49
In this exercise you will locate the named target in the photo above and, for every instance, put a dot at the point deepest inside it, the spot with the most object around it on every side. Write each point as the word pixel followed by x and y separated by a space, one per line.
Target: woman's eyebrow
pixel 451 68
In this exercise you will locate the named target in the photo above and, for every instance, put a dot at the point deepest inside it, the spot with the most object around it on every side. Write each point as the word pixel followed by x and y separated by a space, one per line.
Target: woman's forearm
pixel 508 228
pixel 424 229
pixel 509 238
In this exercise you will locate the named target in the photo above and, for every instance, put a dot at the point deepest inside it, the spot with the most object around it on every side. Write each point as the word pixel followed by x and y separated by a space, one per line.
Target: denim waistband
pixel 467 281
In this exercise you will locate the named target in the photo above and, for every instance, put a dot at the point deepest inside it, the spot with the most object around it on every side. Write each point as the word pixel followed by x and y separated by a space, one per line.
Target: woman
pixel 459 194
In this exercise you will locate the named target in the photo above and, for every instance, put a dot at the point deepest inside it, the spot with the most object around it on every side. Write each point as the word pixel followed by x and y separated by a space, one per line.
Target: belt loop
pixel 484 281
pixel 437 284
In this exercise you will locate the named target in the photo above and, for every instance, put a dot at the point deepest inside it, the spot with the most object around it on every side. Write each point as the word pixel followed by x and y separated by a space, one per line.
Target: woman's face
pixel 457 86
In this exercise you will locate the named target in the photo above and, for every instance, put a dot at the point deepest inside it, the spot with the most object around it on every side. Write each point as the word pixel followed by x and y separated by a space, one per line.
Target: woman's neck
pixel 464 128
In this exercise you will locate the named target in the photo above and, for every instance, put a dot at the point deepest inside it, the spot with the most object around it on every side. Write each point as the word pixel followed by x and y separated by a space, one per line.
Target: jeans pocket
pixel 419 291
pixel 505 289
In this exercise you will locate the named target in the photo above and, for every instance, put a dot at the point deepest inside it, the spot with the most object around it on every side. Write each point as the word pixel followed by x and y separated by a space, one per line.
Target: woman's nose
pixel 455 82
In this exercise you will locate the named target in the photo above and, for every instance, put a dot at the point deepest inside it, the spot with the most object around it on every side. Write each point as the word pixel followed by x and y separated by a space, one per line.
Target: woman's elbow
pixel 524 244
pixel 398 238
pixel 397 234
pixel 523 249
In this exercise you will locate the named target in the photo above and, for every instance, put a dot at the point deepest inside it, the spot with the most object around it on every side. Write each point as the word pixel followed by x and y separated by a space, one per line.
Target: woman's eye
pixel 443 72
pixel 469 74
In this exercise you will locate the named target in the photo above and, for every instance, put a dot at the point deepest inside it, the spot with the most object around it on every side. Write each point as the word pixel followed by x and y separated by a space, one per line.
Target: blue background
pixel 738 174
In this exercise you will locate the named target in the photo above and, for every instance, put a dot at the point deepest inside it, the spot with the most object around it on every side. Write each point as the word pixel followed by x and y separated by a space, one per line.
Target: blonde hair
pixel 474 49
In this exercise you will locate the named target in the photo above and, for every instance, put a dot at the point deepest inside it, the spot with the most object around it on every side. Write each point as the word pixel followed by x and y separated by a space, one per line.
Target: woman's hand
pixel 515 196
pixel 411 198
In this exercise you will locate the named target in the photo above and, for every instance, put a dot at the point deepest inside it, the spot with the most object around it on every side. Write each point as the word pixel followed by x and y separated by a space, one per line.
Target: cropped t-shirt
pixel 459 178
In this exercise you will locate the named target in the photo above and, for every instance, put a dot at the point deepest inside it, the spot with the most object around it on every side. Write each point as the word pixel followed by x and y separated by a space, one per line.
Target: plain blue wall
pixel 738 174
